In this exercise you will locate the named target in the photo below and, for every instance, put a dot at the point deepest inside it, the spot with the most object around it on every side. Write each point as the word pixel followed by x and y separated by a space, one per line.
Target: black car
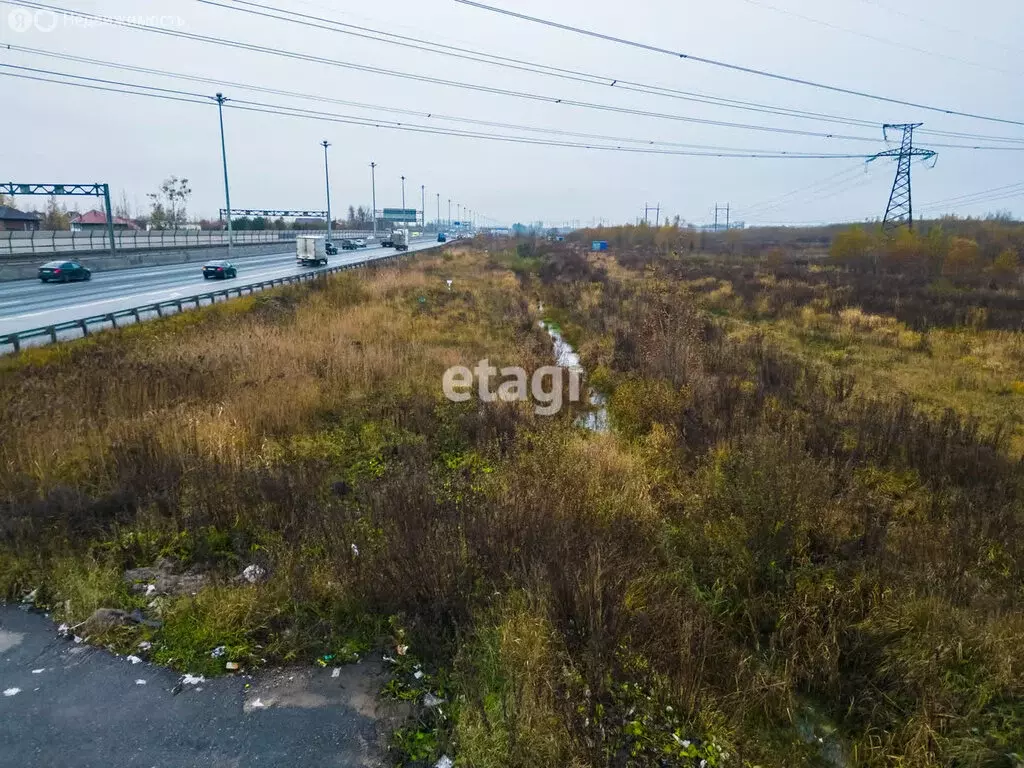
pixel 348 245
pixel 63 271
pixel 331 248
pixel 221 269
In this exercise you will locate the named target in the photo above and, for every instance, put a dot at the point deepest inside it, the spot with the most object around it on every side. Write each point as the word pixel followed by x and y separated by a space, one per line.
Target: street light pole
pixel 224 158
pixel 423 204
pixel 439 211
pixel 449 213
pixel 403 192
pixel 373 182
pixel 327 179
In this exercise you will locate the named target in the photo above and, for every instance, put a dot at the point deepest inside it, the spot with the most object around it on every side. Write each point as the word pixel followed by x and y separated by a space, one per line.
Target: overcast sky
pixel 946 53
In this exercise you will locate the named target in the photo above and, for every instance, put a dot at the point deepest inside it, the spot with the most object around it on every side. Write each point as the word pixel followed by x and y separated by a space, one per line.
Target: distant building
pixel 98 220
pixel 13 220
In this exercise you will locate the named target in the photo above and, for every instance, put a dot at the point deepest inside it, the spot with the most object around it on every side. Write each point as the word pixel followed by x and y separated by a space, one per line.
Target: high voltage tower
pixel 901 208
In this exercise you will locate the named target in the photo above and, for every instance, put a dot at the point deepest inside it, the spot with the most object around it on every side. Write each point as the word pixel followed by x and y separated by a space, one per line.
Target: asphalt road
pixel 27 304
pixel 63 703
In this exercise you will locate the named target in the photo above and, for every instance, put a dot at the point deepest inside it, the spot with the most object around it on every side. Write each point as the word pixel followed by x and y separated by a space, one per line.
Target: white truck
pixel 311 250
pixel 400 239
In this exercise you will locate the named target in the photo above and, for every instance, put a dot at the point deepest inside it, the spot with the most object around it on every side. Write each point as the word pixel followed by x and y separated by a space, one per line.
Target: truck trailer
pixel 400 239
pixel 311 250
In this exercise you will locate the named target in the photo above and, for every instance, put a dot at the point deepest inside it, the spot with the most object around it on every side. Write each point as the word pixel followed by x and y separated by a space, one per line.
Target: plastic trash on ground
pixel 430 701
pixel 254 573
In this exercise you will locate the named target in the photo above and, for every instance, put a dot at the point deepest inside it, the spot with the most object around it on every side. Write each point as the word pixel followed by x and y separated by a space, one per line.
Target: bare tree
pixel 123 209
pixel 170 203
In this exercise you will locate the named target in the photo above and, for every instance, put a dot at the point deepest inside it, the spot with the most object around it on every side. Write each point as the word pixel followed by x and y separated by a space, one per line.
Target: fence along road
pixel 33 313
pixel 30 244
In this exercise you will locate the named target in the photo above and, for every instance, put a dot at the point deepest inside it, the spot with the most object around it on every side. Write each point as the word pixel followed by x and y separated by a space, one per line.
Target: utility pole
pixel 724 208
pixel 224 158
pixel 373 187
pixel 449 213
pixel 900 208
pixel 438 211
pixel 403 192
pixel 423 204
pixel 327 179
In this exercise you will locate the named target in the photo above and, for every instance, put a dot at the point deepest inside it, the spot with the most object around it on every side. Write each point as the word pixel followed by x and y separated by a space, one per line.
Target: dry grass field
pixel 800 543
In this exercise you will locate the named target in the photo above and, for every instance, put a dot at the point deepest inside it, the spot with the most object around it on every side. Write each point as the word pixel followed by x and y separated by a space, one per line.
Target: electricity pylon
pixel 901 207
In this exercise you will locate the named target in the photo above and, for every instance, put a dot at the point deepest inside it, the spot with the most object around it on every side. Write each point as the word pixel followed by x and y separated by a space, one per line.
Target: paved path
pixel 63 704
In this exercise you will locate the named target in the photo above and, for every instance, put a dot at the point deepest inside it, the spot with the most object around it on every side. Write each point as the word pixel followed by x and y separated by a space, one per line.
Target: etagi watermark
pixel 27 19
pixel 546 385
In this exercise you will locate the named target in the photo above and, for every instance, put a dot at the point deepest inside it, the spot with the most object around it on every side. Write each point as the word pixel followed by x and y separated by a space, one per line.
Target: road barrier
pixel 39 243
pixel 13 341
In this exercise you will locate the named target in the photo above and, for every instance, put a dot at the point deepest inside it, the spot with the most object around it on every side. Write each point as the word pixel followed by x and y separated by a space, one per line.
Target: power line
pixel 735 67
pixel 239 45
pixel 1008 191
pixel 320 22
pixel 959 33
pixel 397 110
pixel 319 98
pixel 876 38
pixel 272 109
pixel 826 182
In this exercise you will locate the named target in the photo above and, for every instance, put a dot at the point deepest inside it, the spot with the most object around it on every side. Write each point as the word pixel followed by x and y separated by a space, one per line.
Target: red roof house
pixel 98 220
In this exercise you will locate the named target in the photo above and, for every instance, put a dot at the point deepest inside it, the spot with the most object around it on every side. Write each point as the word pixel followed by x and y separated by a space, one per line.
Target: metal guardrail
pixel 46 243
pixel 110 319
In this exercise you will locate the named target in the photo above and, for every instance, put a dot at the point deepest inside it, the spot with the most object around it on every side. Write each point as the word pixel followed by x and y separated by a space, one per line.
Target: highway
pixel 28 304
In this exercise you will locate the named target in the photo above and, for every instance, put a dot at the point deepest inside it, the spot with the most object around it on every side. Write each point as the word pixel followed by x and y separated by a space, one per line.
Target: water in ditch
pixel 596 419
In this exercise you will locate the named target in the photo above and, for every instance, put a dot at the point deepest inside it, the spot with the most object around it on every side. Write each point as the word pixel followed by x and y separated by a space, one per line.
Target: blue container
pixel 599 245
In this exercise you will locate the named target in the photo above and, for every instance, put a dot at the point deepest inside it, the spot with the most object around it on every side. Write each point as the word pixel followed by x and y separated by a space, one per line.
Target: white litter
pixel 217 652
pixel 12 692
pixel 253 573
pixel 133 659
pixel 418 675
pixel 192 680
pixel 145 645
pixel 140 682
pixel 38 671
pixel 336 672
pixel 258 704
pixel 355 550
pixel 78 639
pixel 444 762
pixel 63 629
pixel 150 590
pixel 430 701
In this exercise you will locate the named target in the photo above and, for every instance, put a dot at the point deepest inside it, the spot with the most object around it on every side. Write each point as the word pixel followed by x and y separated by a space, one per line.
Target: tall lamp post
pixel 327 179
pixel 403 192
pixel 373 183
pixel 438 211
pixel 449 213
pixel 423 204
pixel 224 158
